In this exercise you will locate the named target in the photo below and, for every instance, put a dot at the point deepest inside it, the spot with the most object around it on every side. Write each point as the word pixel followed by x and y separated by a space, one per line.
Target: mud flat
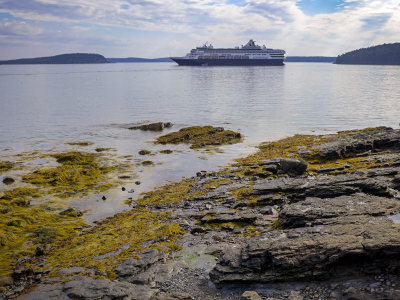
pixel 305 217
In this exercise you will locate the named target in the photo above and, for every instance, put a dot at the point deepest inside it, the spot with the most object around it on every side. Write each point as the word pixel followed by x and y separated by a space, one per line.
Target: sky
pixel 162 28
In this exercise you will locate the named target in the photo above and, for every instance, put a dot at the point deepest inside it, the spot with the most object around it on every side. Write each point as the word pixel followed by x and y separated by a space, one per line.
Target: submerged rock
pixel 153 126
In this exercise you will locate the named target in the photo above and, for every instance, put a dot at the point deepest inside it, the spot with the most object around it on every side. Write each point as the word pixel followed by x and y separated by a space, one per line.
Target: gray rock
pixel 172 296
pixel 348 235
pixel 293 166
pixel 131 267
pixel 87 288
pixel 73 270
pixel 6 281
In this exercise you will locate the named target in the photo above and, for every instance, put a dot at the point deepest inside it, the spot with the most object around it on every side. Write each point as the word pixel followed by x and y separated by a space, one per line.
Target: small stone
pixel 251 295
pixel 137 182
pixel 39 251
pixel 123 189
pixel 103 198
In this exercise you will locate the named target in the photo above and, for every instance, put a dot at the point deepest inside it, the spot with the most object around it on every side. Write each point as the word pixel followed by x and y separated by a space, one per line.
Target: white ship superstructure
pixel 249 54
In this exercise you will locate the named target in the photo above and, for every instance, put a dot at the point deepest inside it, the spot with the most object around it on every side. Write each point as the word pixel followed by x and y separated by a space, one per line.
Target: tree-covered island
pixel 386 54
pixel 73 58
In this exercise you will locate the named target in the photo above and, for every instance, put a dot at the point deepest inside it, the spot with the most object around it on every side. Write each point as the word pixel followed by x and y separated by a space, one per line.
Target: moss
pixel 147 163
pixel 102 149
pixel 200 136
pixel 33 223
pixel 132 227
pixel 84 144
pixel 167 151
pixel 78 171
pixel 144 152
pixel 170 193
pixel 5 166
pixel 20 194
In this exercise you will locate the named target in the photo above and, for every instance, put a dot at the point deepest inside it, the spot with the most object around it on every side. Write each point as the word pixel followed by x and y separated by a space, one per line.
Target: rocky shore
pixel 316 217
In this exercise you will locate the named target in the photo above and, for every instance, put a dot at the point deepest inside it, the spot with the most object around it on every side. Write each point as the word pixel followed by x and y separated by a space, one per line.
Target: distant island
pixel 386 54
pixel 138 60
pixel 322 59
pixel 74 58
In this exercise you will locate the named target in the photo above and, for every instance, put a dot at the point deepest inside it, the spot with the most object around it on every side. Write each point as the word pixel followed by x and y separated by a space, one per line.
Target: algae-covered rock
pixel 200 136
pixel 8 180
pixel 5 166
pixel 152 127
pixel 144 152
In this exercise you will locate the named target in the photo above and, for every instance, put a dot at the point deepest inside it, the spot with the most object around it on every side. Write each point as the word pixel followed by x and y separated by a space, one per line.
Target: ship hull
pixel 227 62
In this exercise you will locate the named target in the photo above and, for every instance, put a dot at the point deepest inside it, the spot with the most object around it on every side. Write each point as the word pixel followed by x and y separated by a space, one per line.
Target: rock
pixel 89 288
pixel 6 281
pixel 153 126
pixel 39 251
pixel 293 166
pixel 73 270
pixel 251 295
pixel 131 267
pixel 328 238
pixel 8 180
pixel 22 272
pixel 172 296
pixel 72 212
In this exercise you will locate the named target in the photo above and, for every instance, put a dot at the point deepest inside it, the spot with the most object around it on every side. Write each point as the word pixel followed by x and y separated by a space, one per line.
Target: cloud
pixel 18 28
pixel 225 23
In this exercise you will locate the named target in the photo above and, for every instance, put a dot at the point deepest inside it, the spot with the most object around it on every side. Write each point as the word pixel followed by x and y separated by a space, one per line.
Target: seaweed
pixel 200 136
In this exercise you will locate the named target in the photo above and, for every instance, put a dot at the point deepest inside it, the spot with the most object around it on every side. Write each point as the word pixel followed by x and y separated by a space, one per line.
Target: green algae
pixel 166 151
pixel 144 152
pixel 24 226
pixel 76 171
pixel 200 136
pixel 170 193
pixel 102 149
pixel 131 227
pixel 5 166
pixel 22 229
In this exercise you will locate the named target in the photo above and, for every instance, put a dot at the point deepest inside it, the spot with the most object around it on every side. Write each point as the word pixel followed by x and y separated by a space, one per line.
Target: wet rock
pixel 153 126
pixel 72 212
pixel 8 180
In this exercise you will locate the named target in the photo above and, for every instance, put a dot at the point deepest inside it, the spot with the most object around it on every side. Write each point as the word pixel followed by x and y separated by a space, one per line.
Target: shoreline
pixel 237 206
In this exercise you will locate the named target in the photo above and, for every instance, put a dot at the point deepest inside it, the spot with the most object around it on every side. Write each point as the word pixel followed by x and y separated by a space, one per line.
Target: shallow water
pixel 44 106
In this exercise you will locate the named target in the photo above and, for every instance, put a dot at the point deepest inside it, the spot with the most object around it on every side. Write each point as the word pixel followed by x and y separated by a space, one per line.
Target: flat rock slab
pixel 348 236
pixel 87 288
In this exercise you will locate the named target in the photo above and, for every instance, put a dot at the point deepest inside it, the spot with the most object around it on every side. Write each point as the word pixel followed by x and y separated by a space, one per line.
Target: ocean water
pixel 43 107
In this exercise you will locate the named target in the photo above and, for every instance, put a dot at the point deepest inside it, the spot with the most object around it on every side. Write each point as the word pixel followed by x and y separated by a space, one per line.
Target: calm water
pixel 44 106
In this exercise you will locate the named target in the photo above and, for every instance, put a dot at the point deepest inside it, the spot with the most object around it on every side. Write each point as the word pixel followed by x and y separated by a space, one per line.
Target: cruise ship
pixel 247 55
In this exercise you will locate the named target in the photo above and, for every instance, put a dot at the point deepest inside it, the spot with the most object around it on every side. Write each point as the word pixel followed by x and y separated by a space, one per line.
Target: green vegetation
pixel 23 226
pixel 200 136
pixel 144 152
pixel 77 171
pixel 5 166
pixel 74 58
pixel 386 54
pixel 132 227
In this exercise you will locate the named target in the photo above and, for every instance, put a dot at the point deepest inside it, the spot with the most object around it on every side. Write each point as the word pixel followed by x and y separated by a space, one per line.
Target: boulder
pixel 293 166
pixel 251 295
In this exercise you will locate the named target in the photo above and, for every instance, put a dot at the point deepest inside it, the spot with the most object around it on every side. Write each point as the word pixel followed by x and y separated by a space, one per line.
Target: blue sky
pixel 160 28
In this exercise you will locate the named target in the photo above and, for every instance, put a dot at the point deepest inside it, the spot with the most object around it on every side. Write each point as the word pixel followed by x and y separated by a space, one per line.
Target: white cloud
pixel 276 23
